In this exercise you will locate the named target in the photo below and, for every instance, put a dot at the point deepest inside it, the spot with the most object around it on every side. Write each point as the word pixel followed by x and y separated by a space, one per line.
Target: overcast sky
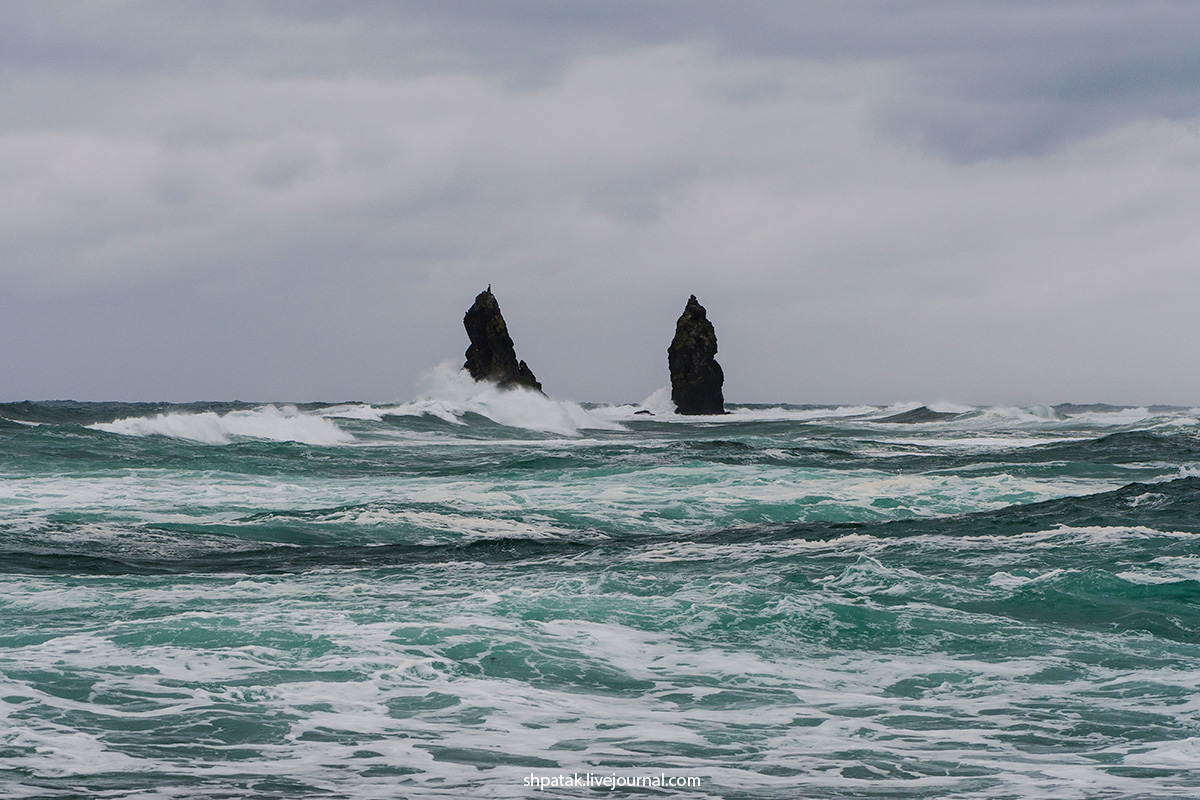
pixel 876 202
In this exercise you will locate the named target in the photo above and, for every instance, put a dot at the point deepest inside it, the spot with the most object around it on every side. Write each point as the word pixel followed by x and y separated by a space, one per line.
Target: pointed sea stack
pixel 696 377
pixel 491 356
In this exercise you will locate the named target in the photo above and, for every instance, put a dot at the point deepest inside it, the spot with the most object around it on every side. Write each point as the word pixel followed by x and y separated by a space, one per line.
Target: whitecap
pixel 450 393
pixel 286 424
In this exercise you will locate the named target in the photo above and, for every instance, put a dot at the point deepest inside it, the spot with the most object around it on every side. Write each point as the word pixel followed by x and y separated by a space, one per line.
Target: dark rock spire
pixel 696 377
pixel 491 356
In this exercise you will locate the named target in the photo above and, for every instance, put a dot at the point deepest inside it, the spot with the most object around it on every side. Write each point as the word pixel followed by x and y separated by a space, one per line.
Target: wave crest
pixel 449 393
pixel 286 424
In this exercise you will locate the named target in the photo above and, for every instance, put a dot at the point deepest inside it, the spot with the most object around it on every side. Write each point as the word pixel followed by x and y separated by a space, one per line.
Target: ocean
pixel 495 594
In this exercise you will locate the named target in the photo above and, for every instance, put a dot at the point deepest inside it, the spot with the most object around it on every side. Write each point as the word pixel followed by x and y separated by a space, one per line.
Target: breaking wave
pixel 280 424
pixel 450 394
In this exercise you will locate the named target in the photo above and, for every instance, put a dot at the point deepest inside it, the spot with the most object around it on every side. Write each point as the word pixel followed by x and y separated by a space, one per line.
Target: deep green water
pixel 440 598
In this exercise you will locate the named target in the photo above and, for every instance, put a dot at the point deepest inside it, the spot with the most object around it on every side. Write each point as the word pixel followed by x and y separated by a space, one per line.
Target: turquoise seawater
pixel 442 598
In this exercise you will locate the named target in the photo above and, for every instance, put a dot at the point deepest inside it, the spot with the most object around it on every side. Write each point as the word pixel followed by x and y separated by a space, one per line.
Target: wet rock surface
pixel 491 355
pixel 696 377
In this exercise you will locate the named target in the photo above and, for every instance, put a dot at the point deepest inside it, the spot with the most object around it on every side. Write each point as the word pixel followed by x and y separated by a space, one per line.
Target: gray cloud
pixel 878 201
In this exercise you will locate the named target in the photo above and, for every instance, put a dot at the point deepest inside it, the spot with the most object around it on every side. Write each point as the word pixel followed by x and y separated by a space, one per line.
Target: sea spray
pixel 281 424
pixel 449 393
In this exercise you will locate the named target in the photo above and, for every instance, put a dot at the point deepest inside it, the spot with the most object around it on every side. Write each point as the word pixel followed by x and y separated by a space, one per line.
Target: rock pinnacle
pixel 696 377
pixel 491 356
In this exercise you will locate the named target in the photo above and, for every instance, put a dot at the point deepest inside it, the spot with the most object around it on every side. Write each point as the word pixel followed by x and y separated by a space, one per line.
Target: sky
pixel 985 203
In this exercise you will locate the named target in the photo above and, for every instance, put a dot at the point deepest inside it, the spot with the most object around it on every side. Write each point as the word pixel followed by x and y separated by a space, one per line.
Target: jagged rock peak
pixel 696 377
pixel 491 356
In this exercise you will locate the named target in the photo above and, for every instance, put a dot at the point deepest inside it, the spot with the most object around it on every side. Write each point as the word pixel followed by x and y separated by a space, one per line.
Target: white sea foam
pixel 784 414
pixel 655 499
pixel 973 442
pixel 659 403
pixel 662 409
pixel 281 424
pixel 810 709
pixel 1022 416
pixel 768 666
pixel 1183 754
pixel 1006 580
pixel 360 411
pixel 972 418
pixel 461 527
pixel 941 407
pixel 1165 569
pixel 1126 417
pixel 56 751
pixel 449 393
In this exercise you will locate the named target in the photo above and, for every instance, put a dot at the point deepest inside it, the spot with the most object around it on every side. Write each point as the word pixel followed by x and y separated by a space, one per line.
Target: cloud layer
pixel 293 201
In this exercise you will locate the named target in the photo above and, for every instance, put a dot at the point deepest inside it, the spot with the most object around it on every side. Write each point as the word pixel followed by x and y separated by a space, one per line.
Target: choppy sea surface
pixel 441 598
